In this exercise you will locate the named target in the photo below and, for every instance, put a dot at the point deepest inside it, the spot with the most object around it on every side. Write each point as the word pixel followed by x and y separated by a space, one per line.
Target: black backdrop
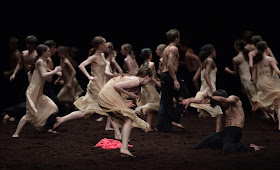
pixel 144 23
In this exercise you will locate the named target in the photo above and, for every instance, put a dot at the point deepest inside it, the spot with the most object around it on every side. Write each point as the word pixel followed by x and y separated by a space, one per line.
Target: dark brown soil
pixel 73 147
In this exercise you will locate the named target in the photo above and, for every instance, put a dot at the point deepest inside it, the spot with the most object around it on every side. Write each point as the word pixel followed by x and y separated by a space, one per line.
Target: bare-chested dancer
pixel 28 56
pixel 172 86
pixel 228 139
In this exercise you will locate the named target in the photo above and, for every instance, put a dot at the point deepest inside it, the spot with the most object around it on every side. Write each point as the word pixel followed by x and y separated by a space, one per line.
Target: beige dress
pixel 267 86
pixel 65 94
pixel 114 103
pixel 38 106
pixel 149 98
pixel 205 90
pixel 89 102
pixel 248 87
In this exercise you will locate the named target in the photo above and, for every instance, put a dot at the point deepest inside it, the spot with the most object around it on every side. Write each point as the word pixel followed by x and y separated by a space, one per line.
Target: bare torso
pixel 192 64
pixel 234 114
pixel 28 59
pixel 166 59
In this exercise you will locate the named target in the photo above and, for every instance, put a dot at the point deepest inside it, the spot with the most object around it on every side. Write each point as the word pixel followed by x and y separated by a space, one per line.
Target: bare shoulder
pixel 173 49
pixel 39 62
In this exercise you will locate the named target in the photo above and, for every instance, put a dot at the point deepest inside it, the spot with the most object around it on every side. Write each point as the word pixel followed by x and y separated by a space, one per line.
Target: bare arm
pixel 188 101
pixel 273 64
pixel 220 99
pixel 121 86
pixel 196 77
pixel 114 62
pixel 83 65
pixel 235 67
pixel 108 72
pixel 209 65
pixel 251 55
pixel 18 67
pixel 42 70
pixel 171 68
pixel 72 70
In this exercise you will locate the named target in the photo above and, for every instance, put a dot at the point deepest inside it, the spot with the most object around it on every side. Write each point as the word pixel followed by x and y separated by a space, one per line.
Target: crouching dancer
pixel 228 139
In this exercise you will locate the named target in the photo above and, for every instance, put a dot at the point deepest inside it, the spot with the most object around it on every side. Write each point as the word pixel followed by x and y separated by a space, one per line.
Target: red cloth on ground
pixel 110 144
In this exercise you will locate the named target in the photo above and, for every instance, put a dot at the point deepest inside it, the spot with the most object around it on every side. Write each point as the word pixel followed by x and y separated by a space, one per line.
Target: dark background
pixel 144 24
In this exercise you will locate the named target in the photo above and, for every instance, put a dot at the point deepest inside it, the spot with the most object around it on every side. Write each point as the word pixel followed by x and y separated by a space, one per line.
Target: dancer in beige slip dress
pixel 38 106
pixel 71 89
pixel 111 99
pixel 208 84
pixel 266 76
pixel 241 68
pixel 88 104
pixel 149 98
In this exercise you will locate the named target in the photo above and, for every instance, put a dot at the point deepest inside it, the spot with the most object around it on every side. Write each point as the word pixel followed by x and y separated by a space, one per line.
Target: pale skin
pixel 130 63
pixel 267 60
pixel 170 61
pixel 148 112
pixel 27 59
pixel 231 106
pixel 121 87
pixel 41 63
pixel 208 64
pixel 92 60
pixel 253 53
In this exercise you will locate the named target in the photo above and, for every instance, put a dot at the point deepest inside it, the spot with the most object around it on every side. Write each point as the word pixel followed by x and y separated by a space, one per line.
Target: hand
pixel 185 102
pixel 176 85
pixel 132 95
pixel 93 78
pixel 59 73
pixel 12 77
pixel 129 103
pixel 69 85
pixel 57 68
pixel 227 69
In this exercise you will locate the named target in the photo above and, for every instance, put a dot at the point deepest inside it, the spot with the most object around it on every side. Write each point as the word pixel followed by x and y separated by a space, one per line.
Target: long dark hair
pixel 261 46
pixel 205 51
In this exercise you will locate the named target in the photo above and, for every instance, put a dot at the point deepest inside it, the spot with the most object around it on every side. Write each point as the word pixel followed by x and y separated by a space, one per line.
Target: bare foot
pixel 100 119
pixel 52 131
pixel 108 128
pixel 6 118
pixel 126 153
pixel 118 137
pixel 15 136
pixel 178 125
pixel 256 147
pixel 12 119
pixel 58 122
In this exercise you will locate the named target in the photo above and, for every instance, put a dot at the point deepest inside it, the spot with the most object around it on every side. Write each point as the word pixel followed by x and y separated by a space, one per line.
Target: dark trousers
pixel 227 140
pixel 166 112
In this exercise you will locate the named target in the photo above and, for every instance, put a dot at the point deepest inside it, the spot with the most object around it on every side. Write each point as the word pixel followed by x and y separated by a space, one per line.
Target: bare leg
pixel 71 116
pixel 219 123
pixel 116 129
pixel 149 118
pixel 108 124
pixel 21 123
pixel 100 119
pixel 125 136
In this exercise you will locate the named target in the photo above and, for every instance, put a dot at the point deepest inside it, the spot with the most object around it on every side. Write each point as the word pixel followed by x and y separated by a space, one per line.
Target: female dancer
pixel 207 73
pixel 112 100
pixel 88 104
pixel 39 107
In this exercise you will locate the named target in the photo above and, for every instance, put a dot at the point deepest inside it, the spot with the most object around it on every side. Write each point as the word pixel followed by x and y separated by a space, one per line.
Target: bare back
pixel 170 56
pixel 192 61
